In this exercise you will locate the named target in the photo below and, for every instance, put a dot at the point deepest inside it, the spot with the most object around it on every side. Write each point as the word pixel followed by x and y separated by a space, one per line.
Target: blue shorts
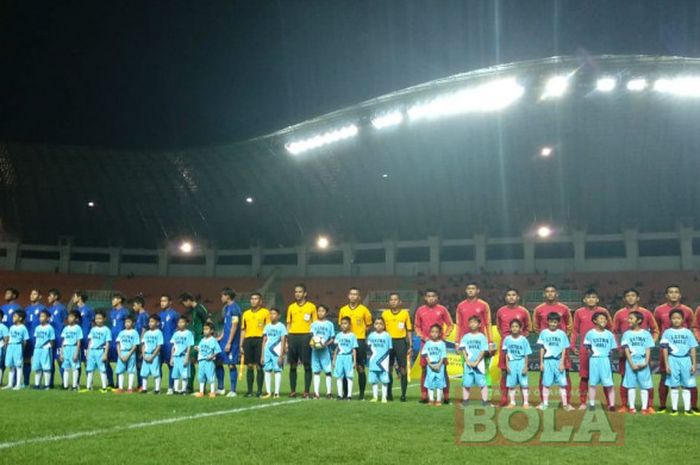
pixel 179 369
pixel 230 358
pixel 472 377
pixel 42 360
pixel 680 375
pixel 378 377
pixel 205 373
pixel 271 362
pixel 600 372
pixel 637 379
pixel 516 377
pixel 94 361
pixel 435 379
pixel 343 367
pixel 321 360
pixel 68 354
pixel 13 356
pixel 551 374
pixel 150 368
pixel 129 366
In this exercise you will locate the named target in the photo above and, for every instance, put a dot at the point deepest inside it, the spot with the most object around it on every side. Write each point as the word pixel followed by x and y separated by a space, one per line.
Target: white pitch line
pixel 146 424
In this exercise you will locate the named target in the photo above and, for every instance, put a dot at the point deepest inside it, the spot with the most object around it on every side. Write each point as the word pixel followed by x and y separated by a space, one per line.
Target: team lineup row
pixel 142 344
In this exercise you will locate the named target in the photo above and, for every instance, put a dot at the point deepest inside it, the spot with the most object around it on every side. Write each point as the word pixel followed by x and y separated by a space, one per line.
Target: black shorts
pixel 299 350
pixel 252 350
pixel 398 353
pixel 361 352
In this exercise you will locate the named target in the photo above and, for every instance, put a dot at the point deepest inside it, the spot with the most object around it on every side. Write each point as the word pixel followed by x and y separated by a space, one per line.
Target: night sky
pixel 150 74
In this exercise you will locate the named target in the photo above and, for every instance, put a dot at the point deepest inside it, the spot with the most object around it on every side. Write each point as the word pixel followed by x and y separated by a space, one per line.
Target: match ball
pixel 316 342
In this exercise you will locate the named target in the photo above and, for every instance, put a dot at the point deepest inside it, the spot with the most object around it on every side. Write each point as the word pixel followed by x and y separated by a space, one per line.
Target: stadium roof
pixel 452 157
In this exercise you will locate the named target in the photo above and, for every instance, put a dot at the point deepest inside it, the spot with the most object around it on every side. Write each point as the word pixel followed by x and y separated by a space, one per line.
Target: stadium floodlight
pixel 186 247
pixel 637 85
pixel 91 204
pixel 606 84
pixel 387 120
pixel 544 231
pixel 322 242
pixel 491 96
pixel 556 86
pixel 546 151
pixel 249 200
pixel 680 86
pixel 320 140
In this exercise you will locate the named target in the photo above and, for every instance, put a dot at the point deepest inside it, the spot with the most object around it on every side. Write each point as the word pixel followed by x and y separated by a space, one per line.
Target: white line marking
pixel 146 424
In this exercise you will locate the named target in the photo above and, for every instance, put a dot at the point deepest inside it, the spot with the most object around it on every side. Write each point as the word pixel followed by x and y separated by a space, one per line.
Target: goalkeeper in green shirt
pixel 197 315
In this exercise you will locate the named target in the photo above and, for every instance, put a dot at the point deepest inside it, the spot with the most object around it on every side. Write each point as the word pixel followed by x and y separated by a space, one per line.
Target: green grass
pixel 322 431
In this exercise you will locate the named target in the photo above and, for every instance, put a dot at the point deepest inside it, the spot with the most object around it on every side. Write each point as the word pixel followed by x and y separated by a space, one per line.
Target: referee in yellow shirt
pixel 300 314
pixel 360 322
pixel 254 321
pixel 399 326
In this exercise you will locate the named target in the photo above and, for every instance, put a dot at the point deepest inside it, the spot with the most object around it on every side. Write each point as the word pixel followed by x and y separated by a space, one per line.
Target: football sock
pixel 293 378
pixel 504 389
pixel 103 378
pixel 624 393
pixel 11 377
pixel 47 379
pixel 644 394
pixel 317 382
pixel 201 388
pixel 663 392
pixel 219 372
pixel 439 395
pixel 465 393
pixel 632 398
pixel 384 391
pixel 157 383
pixel 591 395
pixel 511 394
pixel 567 388
pixel 1 373
pixel 545 395
pixel 109 375
pixel 526 396
pixel 249 378
pixel 232 377
pixel 37 379
pixel 76 378
pixel 88 383
pixel 404 384
pixel 120 381
pixel 375 391
pixel 694 397
pixel 307 378
pixel 144 384
pixel 65 379
pixel 131 381
pixel 339 383
pixel 259 378
pixel 431 395
pixel 485 394
pixel 674 399
pixel 686 399
pixel 564 397
pixel 26 371
pixel 582 390
pixel 278 381
pixel 362 378
pixel 446 390
pixel 176 385
pixel 610 395
pixel 541 388
pixel 268 382
pixel 328 383
pixel 349 388
pixel 212 388
pixel 20 374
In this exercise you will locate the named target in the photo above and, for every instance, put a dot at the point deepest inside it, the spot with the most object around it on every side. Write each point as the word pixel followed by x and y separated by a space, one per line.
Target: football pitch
pixel 74 428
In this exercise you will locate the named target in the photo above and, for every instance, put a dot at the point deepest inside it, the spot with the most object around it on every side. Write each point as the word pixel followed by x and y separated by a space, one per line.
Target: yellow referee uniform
pixel 397 324
pixel 360 319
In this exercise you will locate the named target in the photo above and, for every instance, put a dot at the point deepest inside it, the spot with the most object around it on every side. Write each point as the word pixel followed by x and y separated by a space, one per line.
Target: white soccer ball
pixel 317 342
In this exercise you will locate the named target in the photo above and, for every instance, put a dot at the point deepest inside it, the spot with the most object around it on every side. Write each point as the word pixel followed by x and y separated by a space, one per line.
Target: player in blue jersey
pixel 600 343
pixel 33 311
pixel 435 352
pixel 59 313
pixel 151 348
pixel 116 324
pixel 181 343
pixel 99 340
pixel 380 344
pixel 207 351
pixel 680 355
pixel 637 344
pixel 128 341
pixel 229 341
pixel 141 326
pixel 345 357
pixel 323 330
pixel 42 357
pixel 273 352
pixel 553 343
pixel 4 335
pixel 69 352
pixel 10 306
pixel 14 352
pixel 87 317
pixel 516 349
pixel 474 346
pixel 168 324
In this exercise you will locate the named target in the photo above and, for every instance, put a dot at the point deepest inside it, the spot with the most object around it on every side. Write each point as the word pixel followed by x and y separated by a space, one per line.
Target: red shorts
pixel 583 357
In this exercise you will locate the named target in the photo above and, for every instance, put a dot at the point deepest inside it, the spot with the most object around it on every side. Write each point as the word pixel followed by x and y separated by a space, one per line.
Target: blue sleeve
pixel 217 348
pixel 190 339
pixel 354 342
pixel 391 343
pixel 52 337
pixel 160 338
pixel 693 342
pixel 565 340
pixel 108 338
pixel 25 334
pixel 526 345
pixel 484 344
pixel 443 351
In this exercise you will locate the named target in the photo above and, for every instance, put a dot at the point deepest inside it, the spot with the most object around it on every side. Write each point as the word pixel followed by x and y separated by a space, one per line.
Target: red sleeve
pixel 575 331
pixel 696 326
pixel 689 318
pixel 418 324
pixel 609 325
pixel 653 326
pixel 446 317
pixel 499 316
pixel 458 317
pixel 616 323
pixel 528 318
pixel 487 326
pixel 536 320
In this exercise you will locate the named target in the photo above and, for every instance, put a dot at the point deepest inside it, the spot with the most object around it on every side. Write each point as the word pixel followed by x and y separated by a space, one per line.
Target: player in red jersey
pixel 696 328
pixel 583 322
pixel 473 306
pixel 663 319
pixel 620 325
pixel 552 304
pixel 432 313
pixel 505 315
